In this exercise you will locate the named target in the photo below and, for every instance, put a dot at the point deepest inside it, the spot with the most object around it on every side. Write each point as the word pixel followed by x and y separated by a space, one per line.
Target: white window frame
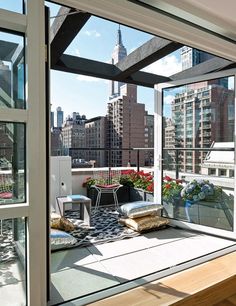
pixel 34 209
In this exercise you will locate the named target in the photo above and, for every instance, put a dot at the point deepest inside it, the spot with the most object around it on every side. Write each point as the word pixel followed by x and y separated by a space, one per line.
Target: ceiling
pixel 215 15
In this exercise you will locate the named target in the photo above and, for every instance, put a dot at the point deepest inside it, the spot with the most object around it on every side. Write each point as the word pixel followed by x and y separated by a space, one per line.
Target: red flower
pixel 150 187
pixel 168 186
pixel 167 178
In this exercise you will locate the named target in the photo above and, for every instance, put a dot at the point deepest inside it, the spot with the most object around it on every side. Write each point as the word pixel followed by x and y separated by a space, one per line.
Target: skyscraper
pixel 118 54
pixel 52 120
pixel 60 117
pixel 191 57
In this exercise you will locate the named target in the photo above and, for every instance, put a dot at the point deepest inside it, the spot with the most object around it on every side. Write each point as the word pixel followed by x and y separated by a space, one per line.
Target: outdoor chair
pixel 107 182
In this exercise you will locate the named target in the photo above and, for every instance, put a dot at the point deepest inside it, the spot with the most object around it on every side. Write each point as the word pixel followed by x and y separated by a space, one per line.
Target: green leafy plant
pixel 171 189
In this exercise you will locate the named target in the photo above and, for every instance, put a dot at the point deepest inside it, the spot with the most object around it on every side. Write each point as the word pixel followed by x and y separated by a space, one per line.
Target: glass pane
pixel 12 162
pixel 12 262
pixel 198 154
pixel 12 5
pixel 12 74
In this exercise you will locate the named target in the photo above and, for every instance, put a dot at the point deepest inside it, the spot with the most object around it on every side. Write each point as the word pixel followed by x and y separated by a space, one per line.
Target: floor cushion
pixel 60 239
pixel 145 223
pixel 139 209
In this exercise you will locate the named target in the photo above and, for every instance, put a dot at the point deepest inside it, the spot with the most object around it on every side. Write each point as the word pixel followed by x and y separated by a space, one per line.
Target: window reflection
pixel 12 162
pixel 12 262
pixel 12 74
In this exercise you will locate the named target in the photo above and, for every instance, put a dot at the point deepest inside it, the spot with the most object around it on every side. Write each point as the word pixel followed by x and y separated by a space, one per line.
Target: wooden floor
pixel 230 301
pixel 211 283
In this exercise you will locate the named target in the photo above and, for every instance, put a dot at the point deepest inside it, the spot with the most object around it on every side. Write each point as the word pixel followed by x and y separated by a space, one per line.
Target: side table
pixel 82 201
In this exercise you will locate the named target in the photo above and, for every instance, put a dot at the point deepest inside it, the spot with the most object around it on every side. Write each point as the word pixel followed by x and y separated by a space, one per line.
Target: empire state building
pixel 118 54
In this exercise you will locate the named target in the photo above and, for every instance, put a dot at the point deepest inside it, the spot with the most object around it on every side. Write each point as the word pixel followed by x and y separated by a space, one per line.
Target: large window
pixel 16 6
pixel 203 146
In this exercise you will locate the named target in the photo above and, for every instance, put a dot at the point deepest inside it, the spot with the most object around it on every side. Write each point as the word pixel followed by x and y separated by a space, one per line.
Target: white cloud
pixel 92 33
pixel 77 52
pixel 168 99
pixel 166 66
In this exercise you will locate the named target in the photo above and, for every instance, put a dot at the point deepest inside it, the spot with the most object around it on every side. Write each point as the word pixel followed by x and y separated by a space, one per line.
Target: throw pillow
pixel 62 224
pixel 139 209
pixel 145 223
pixel 60 239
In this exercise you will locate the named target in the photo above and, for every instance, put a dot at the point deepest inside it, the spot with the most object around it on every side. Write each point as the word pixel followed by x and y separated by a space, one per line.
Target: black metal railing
pixel 108 159
pixel 177 156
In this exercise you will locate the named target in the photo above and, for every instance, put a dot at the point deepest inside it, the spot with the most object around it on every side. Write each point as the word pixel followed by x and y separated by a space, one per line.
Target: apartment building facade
pixel 95 137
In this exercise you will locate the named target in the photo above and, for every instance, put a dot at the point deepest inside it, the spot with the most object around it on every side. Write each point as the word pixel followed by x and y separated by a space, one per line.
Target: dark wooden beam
pixel 64 29
pixel 78 65
pixel 211 65
pixel 153 50
pixel 7 50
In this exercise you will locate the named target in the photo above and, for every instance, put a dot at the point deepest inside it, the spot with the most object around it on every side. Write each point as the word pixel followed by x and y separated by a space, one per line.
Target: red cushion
pixel 5 195
pixel 108 186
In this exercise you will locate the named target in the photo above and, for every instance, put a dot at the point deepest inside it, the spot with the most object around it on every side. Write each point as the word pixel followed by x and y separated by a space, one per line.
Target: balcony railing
pixel 178 155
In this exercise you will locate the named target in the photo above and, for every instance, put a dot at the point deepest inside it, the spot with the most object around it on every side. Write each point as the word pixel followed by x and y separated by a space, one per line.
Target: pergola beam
pixel 78 65
pixel 211 65
pixel 64 29
pixel 151 51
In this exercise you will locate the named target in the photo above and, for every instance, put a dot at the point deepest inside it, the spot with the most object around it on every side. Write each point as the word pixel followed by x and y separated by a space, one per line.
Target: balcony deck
pixel 81 271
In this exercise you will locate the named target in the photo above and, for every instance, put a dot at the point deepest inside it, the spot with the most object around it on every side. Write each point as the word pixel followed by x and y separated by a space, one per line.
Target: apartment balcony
pixel 206 126
pixel 105 261
pixel 205 104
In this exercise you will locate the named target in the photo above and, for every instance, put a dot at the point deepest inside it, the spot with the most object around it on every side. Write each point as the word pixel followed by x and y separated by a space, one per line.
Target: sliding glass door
pixel 195 152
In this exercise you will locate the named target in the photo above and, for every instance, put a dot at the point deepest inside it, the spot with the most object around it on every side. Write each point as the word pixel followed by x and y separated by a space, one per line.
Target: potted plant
pixel 171 195
pixel 200 192
pixel 140 184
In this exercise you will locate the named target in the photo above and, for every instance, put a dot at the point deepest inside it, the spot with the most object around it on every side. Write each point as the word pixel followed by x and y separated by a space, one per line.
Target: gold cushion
pixel 144 223
pixel 62 224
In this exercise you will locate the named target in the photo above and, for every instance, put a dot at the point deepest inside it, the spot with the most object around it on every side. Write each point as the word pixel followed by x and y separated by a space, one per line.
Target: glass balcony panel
pixel 200 187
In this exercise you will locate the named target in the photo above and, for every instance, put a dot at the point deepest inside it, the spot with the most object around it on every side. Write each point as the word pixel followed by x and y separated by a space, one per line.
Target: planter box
pixel 213 214
pixel 107 198
pixel 137 194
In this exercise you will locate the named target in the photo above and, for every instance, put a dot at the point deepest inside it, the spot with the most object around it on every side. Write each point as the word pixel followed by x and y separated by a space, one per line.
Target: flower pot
pixel 137 194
